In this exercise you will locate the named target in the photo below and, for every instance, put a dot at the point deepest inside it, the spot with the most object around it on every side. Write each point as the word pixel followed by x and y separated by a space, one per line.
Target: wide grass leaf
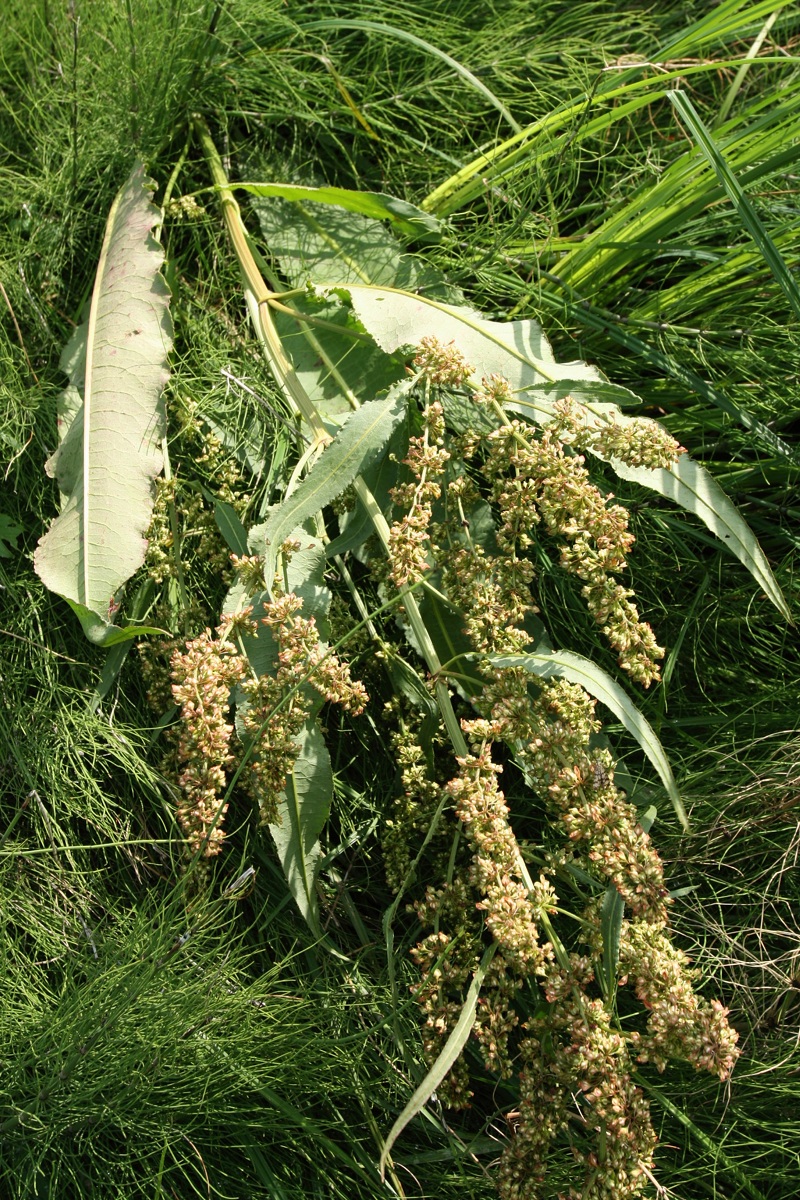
pixel 598 683
pixel 748 215
pixel 112 420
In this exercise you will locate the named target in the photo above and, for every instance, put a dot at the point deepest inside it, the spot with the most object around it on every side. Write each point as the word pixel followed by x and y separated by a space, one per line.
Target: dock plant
pixel 377 523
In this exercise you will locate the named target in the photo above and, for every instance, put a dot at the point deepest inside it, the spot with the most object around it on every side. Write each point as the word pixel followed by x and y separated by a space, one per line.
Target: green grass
pixel 162 1036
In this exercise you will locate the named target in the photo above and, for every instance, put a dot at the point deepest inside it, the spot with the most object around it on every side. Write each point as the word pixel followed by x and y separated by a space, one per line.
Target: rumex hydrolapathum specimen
pixel 576 1060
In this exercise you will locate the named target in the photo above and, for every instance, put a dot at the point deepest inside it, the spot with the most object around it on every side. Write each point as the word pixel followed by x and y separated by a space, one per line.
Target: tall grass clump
pixel 396 537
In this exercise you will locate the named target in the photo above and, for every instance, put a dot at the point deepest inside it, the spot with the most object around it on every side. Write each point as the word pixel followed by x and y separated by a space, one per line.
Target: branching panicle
pixel 202 677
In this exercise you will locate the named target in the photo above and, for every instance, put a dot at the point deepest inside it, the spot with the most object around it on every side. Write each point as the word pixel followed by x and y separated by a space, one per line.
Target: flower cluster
pixel 574 1053
pixel 445 964
pixel 636 441
pixel 680 1024
pixel 277 705
pixel 495 867
pixel 202 677
pixel 185 208
pixel 576 1061
pixel 553 737
pixel 444 366
pixel 412 811
pixel 408 537
pixel 549 483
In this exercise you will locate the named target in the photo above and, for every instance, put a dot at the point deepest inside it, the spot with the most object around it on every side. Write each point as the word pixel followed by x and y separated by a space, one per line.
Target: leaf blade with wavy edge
pixel 452 1048
pixel 405 217
pixel 357 445
pixel 303 809
pixel 110 451
pixel 599 683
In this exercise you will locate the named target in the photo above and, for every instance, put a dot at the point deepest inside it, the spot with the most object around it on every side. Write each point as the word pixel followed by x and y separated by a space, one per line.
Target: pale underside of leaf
pixel 110 450
pixel 517 350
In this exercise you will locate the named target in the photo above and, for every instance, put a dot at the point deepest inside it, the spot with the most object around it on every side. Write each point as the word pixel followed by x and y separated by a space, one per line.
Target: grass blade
pixel 429 48
pixel 748 215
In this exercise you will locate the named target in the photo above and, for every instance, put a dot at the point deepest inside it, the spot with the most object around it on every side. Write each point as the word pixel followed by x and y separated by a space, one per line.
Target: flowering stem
pixel 257 294
pixel 409 601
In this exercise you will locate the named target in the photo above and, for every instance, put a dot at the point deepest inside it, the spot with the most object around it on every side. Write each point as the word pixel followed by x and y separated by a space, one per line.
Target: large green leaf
pixel 599 683
pixel 336 365
pixel 324 244
pixel 337 371
pixel 303 810
pixel 356 524
pixel 111 420
pixel 356 447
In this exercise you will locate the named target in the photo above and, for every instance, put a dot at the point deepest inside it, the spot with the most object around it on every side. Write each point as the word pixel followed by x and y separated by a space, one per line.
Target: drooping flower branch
pixel 575 1060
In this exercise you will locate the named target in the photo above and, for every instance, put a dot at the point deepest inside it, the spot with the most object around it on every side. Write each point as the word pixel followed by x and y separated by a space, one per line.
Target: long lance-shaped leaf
pixel 406 218
pixel 450 1052
pixel 686 483
pixel 303 811
pixel 352 451
pixel 599 683
pixel 690 485
pixel 110 449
